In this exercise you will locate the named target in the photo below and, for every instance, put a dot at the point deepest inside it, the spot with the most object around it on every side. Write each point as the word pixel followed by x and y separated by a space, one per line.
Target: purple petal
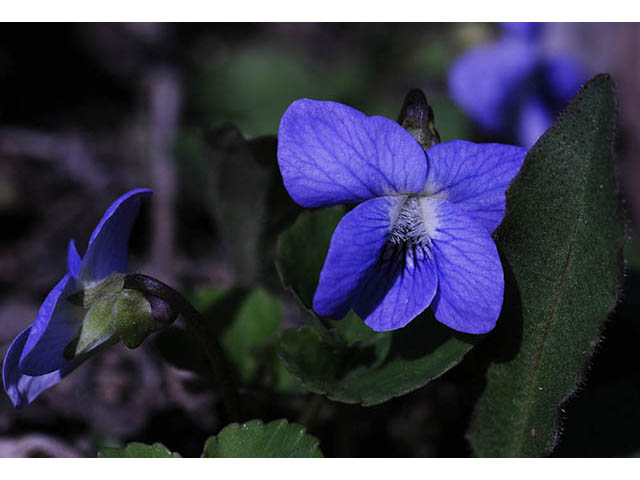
pixel 535 119
pixel 474 176
pixel 330 154
pixel 526 30
pixel 401 287
pixel 470 277
pixel 54 328
pixel 73 259
pixel 564 76
pixel 108 246
pixel 56 324
pixel 488 81
pixel 23 389
pixel 355 249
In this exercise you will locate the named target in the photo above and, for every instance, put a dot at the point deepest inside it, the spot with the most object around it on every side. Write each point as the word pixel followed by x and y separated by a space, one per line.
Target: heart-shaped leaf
pixel 302 249
pixel 561 239
pixel 254 439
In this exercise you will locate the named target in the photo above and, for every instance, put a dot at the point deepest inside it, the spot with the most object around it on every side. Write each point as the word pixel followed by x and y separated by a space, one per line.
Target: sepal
pixel 133 318
pixel 93 294
pixel 117 313
pixel 416 117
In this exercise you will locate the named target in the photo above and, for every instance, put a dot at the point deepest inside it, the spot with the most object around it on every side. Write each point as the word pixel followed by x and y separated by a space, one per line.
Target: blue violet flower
pixel 421 234
pixel 512 87
pixel 35 360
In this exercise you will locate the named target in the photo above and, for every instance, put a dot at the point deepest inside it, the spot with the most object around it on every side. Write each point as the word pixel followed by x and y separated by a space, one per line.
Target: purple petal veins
pixel 474 176
pixel 470 276
pixel 400 288
pixel 355 248
pixel 330 154
pixel 409 244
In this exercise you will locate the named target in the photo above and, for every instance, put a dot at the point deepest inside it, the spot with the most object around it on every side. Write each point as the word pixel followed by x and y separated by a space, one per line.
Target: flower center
pixel 416 223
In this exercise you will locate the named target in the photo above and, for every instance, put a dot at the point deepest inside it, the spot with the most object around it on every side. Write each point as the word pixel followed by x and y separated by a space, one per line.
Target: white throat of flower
pixel 416 223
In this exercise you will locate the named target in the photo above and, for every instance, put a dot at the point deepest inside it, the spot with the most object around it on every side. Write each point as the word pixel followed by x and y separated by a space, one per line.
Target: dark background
pixel 88 111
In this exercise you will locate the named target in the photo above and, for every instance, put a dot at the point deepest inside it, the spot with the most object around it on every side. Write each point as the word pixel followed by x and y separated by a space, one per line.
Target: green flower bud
pixel 416 117
pixel 117 313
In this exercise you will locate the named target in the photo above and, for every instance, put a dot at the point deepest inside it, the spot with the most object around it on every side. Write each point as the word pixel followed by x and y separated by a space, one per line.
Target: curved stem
pixel 197 326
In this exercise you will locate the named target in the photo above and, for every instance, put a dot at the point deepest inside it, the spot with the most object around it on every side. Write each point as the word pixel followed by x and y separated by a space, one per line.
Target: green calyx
pixel 116 313
pixel 97 327
pixel 92 295
pixel 132 318
pixel 416 117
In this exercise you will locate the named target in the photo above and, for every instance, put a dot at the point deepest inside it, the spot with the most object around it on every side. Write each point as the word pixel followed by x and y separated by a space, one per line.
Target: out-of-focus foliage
pixel 239 182
pixel 251 84
pixel 248 323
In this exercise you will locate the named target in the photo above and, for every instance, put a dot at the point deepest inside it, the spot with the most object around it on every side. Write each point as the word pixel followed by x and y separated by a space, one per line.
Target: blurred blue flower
pixel 422 233
pixel 35 360
pixel 511 87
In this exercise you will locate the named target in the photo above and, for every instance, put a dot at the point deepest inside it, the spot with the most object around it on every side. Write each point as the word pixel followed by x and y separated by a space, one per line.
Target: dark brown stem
pixel 197 326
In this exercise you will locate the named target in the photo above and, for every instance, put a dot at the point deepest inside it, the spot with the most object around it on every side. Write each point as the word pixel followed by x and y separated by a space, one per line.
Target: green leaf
pixel 302 249
pixel 394 364
pixel 349 362
pixel 281 210
pixel 277 439
pixel 561 242
pixel 250 341
pixel 254 83
pixel 248 199
pixel 204 299
pixel 238 186
pixel 255 325
pixel 219 306
pixel 138 450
